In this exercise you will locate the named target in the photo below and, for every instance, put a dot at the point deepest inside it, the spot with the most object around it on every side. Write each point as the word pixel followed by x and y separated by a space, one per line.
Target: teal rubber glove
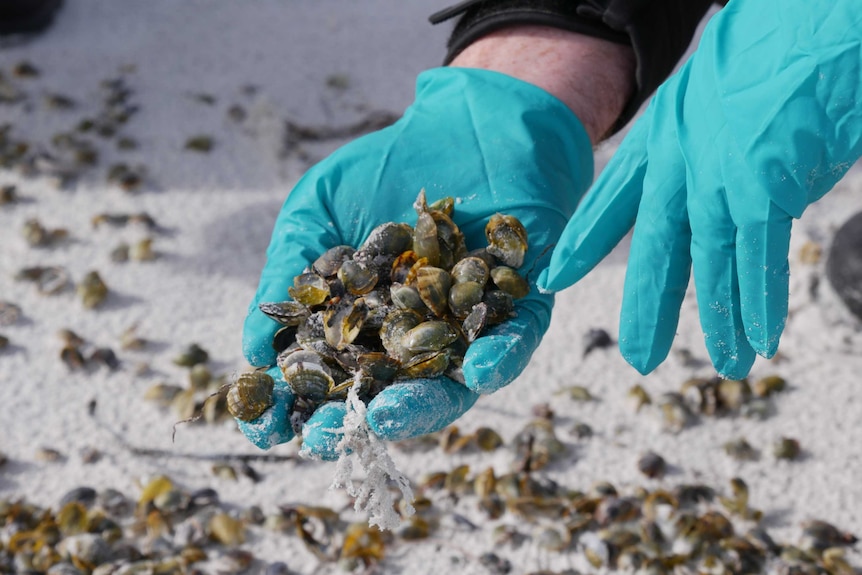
pixel 763 119
pixel 494 143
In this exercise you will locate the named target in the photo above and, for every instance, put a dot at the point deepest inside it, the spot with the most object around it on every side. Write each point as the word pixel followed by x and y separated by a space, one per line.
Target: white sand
pixel 219 209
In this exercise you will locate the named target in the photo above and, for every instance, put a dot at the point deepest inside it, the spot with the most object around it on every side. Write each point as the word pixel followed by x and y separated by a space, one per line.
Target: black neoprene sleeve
pixel 659 31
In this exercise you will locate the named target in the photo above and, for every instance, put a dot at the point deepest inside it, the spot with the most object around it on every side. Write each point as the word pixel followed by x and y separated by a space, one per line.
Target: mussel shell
pixel 295 355
pixel 402 265
pixel 433 284
pixel 338 392
pixel 357 278
pixel 430 364
pixel 768 385
pixel 290 313
pixel 284 338
pixel 485 482
pixel 311 330
pixel 342 323
pixel 445 204
pixel 507 239
pixel 9 313
pixel 378 365
pixel 92 290
pixel 500 306
pixel 510 281
pixel 310 381
pixel 482 254
pixel 450 239
pixel 363 542
pixel 389 239
pixel 652 465
pixel 327 265
pixel 309 289
pixel 786 448
pixel 410 280
pixel 407 297
pixel 429 336
pixel 463 297
pixel 819 535
pixel 396 324
pixel 376 315
pixel 471 269
pixel 250 395
pixel 475 321
pixel 732 393
pixel 426 244
pixel 72 357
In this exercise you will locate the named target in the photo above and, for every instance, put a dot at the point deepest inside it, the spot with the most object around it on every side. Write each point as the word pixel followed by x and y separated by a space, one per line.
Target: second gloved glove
pixel 763 119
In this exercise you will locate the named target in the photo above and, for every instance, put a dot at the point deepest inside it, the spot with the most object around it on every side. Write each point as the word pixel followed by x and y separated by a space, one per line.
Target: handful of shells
pixel 406 304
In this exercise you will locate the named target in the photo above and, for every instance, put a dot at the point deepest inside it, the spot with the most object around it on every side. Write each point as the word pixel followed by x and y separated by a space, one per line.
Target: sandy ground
pixel 216 211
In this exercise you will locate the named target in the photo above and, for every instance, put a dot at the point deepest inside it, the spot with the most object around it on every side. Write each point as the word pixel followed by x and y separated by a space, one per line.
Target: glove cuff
pixel 659 31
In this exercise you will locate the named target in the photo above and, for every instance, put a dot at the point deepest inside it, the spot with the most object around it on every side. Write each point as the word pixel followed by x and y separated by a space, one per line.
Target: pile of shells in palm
pixel 406 304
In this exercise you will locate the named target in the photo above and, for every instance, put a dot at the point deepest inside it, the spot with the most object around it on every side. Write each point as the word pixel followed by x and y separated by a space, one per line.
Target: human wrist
pixel 559 62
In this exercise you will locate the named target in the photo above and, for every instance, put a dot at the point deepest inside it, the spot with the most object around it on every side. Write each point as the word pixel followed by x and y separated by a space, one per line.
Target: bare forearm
pixel 593 77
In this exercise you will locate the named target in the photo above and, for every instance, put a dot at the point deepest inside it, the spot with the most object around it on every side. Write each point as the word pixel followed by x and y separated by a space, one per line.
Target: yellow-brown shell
pixel 470 269
pixel 507 239
pixel 510 281
pixel 250 395
pixel 463 297
pixel 92 290
pixel 357 278
pixel 433 284
pixel 430 364
pixel 402 265
pixel 429 336
pixel 341 324
pixel 396 324
pixel 309 381
pixel 309 289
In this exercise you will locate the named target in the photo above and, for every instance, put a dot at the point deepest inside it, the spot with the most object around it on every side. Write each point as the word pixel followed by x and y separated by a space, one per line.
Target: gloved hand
pixel 493 142
pixel 764 119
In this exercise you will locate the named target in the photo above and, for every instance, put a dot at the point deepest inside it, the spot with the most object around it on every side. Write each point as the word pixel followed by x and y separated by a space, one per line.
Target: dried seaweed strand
pixel 372 494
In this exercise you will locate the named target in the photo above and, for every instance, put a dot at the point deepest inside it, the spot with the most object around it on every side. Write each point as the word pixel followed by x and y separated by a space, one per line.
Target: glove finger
pixel 762 244
pixel 714 174
pixel 415 407
pixel 496 358
pixel 401 411
pixel 658 271
pixel 764 276
pixel 273 426
pixel 713 253
pixel 659 264
pixel 605 215
pixel 302 232
pixel 323 430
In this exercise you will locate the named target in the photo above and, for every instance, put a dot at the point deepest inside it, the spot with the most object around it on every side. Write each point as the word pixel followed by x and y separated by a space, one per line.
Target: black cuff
pixel 659 31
